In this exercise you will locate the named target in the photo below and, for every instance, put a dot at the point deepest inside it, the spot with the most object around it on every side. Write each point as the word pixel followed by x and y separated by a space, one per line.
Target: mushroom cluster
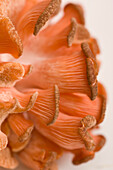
pixel 50 99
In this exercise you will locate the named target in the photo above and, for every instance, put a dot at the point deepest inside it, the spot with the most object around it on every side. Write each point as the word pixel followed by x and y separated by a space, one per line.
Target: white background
pixel 99 21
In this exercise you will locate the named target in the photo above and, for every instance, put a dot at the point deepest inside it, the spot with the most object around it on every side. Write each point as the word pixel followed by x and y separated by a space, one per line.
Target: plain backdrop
pixel 99 21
